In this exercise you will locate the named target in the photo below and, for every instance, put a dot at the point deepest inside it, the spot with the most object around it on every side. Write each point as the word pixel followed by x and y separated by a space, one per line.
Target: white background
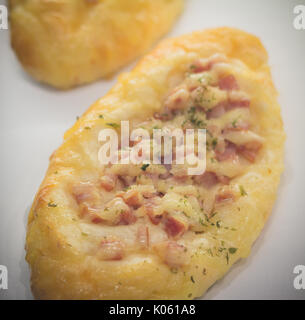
pixel 33 119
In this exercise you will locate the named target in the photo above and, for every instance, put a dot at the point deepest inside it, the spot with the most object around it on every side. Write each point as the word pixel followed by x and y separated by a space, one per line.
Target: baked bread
pixel 151 231
pixel 66 43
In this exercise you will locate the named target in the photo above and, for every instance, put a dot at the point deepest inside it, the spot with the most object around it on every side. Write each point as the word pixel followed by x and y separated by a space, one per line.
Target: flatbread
pixel 175 240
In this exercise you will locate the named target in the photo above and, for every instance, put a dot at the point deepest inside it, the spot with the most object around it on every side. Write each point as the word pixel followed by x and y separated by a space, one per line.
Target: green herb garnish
pixel 227 257
pixel 232 250
pixel 145 166
pixel 193 119
pixel 112 124
pixel 242 191
pixel 52 205
pixel 214 143
pixel 202 222
pixel 234 123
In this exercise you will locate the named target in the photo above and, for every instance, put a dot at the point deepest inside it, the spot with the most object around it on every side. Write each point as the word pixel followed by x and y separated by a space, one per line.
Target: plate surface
pixel 33 119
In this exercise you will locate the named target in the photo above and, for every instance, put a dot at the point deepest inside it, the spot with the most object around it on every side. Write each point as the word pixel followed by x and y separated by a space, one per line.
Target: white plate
pixel 34 117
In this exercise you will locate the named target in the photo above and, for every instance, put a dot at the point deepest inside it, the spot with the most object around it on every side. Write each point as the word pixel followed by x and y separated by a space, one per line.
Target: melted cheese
pixel 218 224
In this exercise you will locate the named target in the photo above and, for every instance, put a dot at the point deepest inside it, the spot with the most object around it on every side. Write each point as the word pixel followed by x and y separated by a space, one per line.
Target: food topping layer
pixel 161 201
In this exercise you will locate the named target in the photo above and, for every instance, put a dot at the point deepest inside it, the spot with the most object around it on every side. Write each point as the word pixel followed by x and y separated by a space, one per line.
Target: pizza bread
pixel 152 231
pixel 66 43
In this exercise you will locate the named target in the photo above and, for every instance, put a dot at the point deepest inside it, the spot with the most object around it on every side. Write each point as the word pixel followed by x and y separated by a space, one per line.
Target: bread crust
pixel 55 249
pixel 66 43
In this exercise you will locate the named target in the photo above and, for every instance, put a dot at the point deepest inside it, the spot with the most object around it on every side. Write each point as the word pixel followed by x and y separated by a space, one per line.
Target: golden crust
pixel 61 270
pixel 66 43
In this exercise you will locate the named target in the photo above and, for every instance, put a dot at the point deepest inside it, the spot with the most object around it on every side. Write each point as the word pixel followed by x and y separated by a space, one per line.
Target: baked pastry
pixel 152 231
pixel 66 43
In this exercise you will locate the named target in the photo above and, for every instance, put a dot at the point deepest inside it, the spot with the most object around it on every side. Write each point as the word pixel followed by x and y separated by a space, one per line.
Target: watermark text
pixel 299 280
pixel 3 18
pixel 3 277
pixel 164 146
pixel 299 20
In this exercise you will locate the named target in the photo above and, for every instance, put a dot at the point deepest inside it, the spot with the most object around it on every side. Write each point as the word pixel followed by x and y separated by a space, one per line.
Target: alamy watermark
pixel 3 277
pixel 299 280
pixel 3 18
pixel 299 20
pixel 166 146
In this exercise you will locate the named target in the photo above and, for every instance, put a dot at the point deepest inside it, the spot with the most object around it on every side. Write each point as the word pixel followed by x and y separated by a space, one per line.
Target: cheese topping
pixel 162 201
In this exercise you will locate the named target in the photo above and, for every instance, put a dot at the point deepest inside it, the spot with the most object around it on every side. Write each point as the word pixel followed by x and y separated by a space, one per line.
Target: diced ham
pixel 88 199
pixel 96 220
pixel 245 103
pixel 117 212
pixel 224 197
pixel 108 182
pixel 254 145
pixel 175 254
pixel 224 179
pixel 168 168
pixel 153 217
pixel 228 83
pixel 208 179
pixel 181 179
pixel 148 194
pixel 197 66
pixel 177 99
pixel 174 227
pixel 143 236
pixel 217 111
pixel 237 99
pixel 84 192
pixel 91 214
pixel 147 191
pixel 213 130
pixel 111 250
pixel 202 66
pixel 127 180
pixel 245 140
pixel 250 155
pixel 250 150
pixel 228 154
pixel 180 171
pixel 133 198
pixel 165 176
pixel 127 217
pixel 221 145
